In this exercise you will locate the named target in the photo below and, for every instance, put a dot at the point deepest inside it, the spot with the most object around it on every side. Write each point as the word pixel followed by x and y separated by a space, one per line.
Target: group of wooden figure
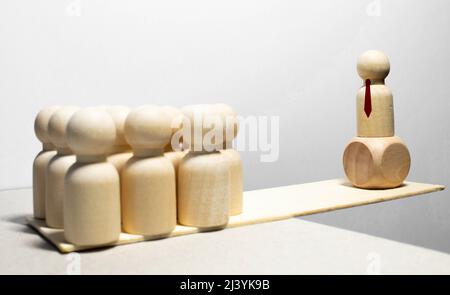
pixel 111 169
pixel 104 170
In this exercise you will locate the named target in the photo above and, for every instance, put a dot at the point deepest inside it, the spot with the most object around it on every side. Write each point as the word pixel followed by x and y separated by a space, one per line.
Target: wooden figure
pixel 234 159
pixel 375 158
pixel 121 151
pixel 204 173
pixel 148 178
pixel 92 187
pixel 58 166
pixel 41 160
pixel 374 102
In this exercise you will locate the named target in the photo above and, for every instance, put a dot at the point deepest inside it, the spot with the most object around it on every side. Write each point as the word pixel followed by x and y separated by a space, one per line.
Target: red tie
pixel 368 100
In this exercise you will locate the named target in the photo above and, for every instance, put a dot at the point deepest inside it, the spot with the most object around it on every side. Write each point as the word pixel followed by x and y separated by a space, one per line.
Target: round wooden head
pixel 41 124
pixel 91 132
pixel 119 115
pixel 148 128
pixel 57 125
pixel 373 65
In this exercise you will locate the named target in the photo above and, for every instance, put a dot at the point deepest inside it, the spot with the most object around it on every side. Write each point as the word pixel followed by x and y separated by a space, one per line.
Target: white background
pixel 293 59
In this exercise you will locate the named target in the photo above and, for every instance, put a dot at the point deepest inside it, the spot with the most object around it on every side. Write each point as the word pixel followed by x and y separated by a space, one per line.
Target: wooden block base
pixel 270 205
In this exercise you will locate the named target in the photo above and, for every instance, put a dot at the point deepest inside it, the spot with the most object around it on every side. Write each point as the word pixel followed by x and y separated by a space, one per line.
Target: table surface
pixel 276 203
pixel 292 246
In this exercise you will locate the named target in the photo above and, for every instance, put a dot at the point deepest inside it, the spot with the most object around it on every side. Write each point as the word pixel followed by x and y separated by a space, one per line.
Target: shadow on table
pixel 16 219
pixel 348 184
pixel 387 220
pixel 20 225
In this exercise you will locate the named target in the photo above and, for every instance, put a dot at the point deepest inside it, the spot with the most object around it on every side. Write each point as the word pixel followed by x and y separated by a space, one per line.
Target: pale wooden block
pixel 273 204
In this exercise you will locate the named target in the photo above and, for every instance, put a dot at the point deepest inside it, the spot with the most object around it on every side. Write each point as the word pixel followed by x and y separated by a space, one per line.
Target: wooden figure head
pixel 41 125
pixel 373 65
pixel 148 130
pixel 57 126
pixel 91 132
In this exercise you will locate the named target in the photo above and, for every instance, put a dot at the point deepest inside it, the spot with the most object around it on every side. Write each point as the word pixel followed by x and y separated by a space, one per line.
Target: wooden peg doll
pixel 92 187
pixel 376 158
pixel 41 160
pixel 204 173
pixel 148 178
pixel 374 101
pixel 58 166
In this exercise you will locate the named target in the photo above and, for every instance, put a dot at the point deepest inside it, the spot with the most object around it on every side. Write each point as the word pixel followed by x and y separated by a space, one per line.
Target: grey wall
pixel 295 59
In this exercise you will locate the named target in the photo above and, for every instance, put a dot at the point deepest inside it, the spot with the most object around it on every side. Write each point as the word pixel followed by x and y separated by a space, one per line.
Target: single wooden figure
pixel 204 173
pixel 121 151
pixel 375 158
pixel 41 160
pixel 148 178
pixel 374 101
pixel 92 187
pixel 58 166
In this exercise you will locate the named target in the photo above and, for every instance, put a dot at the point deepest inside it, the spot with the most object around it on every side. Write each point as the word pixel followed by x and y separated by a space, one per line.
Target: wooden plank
pixel 272 204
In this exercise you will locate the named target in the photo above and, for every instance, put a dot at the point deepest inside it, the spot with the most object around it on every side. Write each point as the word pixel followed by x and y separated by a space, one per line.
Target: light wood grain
pixel 273 204
pixel 233 158
pixel 58 166
pixel 91 185
pixel 42 159
pixel 376 162
pixel 203 190
pixel 40 164
pixel 236 180
pixel 148 181
pixel 204 174
pixel 380 123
